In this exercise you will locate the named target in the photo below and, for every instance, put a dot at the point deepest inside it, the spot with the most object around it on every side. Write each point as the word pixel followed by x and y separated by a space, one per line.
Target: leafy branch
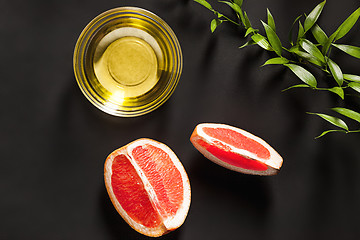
pixel 302 53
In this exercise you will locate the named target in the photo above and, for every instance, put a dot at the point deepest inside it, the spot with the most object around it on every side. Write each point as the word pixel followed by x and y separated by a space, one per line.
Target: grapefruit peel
pixel 227 154
pixel 168 223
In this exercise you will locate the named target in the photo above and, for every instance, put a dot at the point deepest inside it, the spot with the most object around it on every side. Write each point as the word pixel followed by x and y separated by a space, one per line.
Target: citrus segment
pixel 238 140
pixel 233 158
pixel 130 192
pixel 148 186
pixel 162 175
pixel 236 149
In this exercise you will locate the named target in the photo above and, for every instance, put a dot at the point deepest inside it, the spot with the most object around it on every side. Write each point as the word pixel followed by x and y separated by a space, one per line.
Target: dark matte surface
pixel 53 142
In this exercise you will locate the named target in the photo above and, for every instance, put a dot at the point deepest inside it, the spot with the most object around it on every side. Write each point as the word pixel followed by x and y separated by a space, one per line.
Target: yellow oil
pixel 127 68
pixel 128 64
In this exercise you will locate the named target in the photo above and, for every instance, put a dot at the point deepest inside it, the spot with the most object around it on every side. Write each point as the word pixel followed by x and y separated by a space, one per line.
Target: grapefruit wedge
pixel 148 186
pixel 236 149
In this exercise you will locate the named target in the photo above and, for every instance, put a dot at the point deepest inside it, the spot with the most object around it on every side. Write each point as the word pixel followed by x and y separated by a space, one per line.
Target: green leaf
pixel 348 113
pixel 355 86
pixel 219 15
pixel 296 86
pixel 337 90
pixel 237 10
pixel 261 41
pixel 270 20
pixel 249 43
pixel 333 120
pixel 327 44
pixel 351 77
pixel 342 30
pixel 205 4
pixel 238 2
pixel 329 131
pixel 313 16
pixel 247 20
pixel 310 58
pixel 301 32
pixel 251 30
pixel 291 30
pixel 312 49
pixel 273 39
pixel 351 50
pixel 347 25
pixel 305 56
pixel 277 60
pixel 234 7
pixel 294 49
pixel 319 34
pixel 303 74
pixel 214 24
pixel 336 72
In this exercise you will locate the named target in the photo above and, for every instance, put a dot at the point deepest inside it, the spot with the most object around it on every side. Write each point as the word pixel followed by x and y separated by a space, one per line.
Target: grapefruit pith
pixel 148 186
pixel 236 149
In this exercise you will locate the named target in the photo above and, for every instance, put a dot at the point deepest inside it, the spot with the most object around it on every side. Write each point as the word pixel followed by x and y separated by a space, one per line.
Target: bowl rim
pixel 86 37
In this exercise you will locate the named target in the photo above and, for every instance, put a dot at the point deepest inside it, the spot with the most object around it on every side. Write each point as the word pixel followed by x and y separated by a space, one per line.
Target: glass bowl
pixel 127 61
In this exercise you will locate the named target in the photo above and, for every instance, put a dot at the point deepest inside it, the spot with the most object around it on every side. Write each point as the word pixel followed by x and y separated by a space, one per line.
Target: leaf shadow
pixel 208 55
pixel 265 80
pixel 245 67
pixel 274 80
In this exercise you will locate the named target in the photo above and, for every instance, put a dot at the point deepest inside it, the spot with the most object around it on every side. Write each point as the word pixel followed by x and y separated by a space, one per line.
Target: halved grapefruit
pixel 148 186
pixel 236 149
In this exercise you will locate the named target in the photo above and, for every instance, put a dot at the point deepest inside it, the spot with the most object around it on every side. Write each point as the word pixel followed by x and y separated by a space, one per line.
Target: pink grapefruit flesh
pixel 233 159
pixel 130 193
pixel 237 140
pixel 236 149
pixel 169 192
pixel 148 186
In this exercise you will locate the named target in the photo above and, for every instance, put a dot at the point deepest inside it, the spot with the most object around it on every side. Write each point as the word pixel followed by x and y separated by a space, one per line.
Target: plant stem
pixel 227 19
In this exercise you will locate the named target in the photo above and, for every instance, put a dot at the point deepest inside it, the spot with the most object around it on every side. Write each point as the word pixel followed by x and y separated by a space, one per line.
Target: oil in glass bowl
pixel 127 61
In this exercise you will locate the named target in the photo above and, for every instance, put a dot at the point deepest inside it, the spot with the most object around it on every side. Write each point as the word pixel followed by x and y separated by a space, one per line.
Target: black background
pixel 54 143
